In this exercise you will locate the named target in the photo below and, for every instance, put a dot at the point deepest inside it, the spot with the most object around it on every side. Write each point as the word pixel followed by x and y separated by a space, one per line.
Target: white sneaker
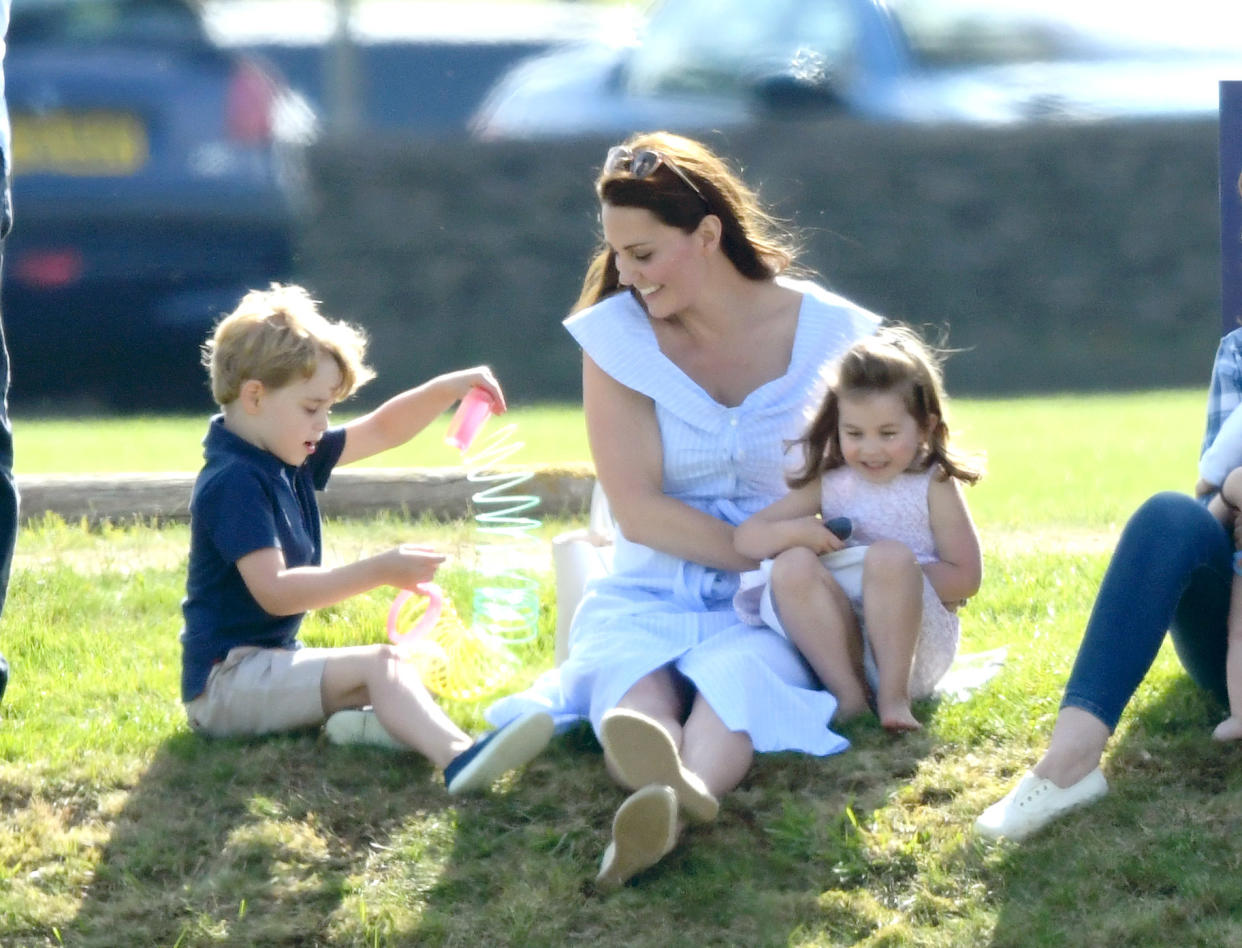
pixel 643 753
pixel 1035 802
pixel 644 831
pixel 359 726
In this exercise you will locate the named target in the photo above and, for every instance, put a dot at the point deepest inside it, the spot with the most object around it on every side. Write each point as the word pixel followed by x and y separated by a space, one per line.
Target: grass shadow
pixel 291 841
pixel 524 859
pixel 1157 855
pixel 245 843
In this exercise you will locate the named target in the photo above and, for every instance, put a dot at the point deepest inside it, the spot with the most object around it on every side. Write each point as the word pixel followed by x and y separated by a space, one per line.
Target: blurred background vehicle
pixel 712 64
pixel 404 68
pixel 157 176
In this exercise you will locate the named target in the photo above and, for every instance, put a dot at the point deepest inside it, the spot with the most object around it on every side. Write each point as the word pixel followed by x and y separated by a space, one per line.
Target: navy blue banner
pixel 1231 204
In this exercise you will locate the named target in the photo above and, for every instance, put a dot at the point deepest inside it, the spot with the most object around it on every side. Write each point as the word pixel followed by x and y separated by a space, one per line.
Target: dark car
pixel 710 64
pixel 157 177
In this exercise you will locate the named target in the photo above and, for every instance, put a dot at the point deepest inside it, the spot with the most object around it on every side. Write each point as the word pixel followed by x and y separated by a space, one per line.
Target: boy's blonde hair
pixel 278 336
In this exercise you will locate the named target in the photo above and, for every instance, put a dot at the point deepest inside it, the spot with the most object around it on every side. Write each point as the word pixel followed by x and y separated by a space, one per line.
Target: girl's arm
pixel 403 416
pixel 625 445
pixel 791 521
pixel 282 591
pixel 957 573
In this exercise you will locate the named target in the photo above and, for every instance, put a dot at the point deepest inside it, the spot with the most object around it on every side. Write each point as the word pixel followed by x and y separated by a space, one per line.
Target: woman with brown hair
pixel 701 359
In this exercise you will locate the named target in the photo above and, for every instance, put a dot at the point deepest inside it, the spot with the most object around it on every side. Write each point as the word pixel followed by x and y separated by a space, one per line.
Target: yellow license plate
pixel 105 144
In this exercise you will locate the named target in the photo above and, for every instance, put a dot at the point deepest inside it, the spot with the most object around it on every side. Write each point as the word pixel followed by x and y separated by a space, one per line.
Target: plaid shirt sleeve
pixel 1225 392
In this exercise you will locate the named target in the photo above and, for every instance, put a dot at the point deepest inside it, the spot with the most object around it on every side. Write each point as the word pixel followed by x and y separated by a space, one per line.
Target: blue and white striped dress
pixel 656 609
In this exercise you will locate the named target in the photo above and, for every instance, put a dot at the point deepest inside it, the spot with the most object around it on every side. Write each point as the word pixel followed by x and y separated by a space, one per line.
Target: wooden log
pixel 440 493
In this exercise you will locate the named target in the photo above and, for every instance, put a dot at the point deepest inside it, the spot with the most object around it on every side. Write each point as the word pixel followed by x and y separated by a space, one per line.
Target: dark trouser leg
pixel 1171 571
pixel 8 486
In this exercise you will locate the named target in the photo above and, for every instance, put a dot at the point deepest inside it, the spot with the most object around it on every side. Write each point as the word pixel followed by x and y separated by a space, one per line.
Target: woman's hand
pixel 791 521
pixel 764 539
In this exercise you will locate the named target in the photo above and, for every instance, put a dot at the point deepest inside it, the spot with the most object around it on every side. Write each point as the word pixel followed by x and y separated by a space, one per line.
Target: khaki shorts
pixel 260 691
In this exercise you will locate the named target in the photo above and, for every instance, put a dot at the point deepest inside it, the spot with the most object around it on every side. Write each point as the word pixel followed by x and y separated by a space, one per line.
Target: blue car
pixel 157 176
pixel 713 64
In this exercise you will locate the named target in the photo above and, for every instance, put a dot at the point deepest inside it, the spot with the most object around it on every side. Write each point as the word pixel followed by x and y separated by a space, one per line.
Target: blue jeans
pixel 1172 571
pixel 8 485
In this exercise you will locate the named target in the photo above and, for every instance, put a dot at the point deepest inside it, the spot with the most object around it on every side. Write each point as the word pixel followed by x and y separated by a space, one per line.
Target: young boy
pixel 277 367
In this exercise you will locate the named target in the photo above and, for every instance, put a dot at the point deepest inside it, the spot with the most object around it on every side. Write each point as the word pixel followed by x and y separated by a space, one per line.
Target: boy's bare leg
pixel 375 675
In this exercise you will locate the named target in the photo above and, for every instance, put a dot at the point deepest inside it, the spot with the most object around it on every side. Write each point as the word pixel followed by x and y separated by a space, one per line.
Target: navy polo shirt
pixel 245 499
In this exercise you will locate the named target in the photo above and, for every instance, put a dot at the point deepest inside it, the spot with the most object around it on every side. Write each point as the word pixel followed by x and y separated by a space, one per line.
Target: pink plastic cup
pixel 474 409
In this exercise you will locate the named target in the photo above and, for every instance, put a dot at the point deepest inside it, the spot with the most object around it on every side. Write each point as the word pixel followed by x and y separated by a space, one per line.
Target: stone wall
pixel 1052 257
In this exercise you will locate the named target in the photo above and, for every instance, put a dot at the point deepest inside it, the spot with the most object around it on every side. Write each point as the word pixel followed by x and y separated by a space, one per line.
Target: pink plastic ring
pixel 426 622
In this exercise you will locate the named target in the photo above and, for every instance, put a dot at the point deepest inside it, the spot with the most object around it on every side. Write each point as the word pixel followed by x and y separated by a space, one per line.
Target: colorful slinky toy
pixel 452 660
pixel 468 663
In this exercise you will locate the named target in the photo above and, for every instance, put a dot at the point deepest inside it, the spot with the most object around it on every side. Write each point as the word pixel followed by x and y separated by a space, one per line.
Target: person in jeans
pixel 8 486
pixel 1172 571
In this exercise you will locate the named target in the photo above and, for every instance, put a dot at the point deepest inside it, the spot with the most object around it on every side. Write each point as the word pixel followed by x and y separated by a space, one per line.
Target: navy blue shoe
pixel 498 752
pixel 4 675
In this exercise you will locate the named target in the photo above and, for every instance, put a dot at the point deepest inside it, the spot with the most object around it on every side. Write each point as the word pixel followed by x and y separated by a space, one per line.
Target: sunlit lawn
pixel 118 827
pixel 555 434
pixel 1048 459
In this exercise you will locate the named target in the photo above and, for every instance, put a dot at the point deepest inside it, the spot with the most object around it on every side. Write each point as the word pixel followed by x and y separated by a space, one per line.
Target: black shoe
pixel 4 675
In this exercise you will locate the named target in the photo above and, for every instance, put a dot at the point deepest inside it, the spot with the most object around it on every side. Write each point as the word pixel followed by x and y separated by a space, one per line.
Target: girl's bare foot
pixel 854 699
pixel 897 717
pixel 847 711
pixel 1229 729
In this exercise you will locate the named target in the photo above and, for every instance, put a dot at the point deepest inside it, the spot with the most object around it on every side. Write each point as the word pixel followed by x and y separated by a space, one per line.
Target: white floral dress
pixel 893 511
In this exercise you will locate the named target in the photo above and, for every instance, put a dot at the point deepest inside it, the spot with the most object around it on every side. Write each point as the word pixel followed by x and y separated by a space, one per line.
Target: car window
pixel 94 22
pixel 721 45
pixel 954 33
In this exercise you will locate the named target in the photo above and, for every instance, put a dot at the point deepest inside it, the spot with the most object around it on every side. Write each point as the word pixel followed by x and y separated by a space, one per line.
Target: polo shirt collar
pixel 220 444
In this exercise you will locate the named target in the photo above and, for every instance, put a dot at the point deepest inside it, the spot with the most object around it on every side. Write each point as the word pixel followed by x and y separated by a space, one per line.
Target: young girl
pixel 877 453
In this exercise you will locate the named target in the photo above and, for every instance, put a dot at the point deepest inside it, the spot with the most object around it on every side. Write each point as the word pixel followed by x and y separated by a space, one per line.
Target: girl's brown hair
pixel 756 244
pixel 894 359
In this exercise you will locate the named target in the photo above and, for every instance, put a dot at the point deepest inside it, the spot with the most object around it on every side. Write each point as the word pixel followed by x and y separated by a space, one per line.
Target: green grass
pixel 554 434
pixel 117 826
pixel 1081 462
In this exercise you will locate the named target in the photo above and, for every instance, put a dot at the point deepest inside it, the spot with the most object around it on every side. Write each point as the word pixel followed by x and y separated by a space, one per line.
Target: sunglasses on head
pixel 643 164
